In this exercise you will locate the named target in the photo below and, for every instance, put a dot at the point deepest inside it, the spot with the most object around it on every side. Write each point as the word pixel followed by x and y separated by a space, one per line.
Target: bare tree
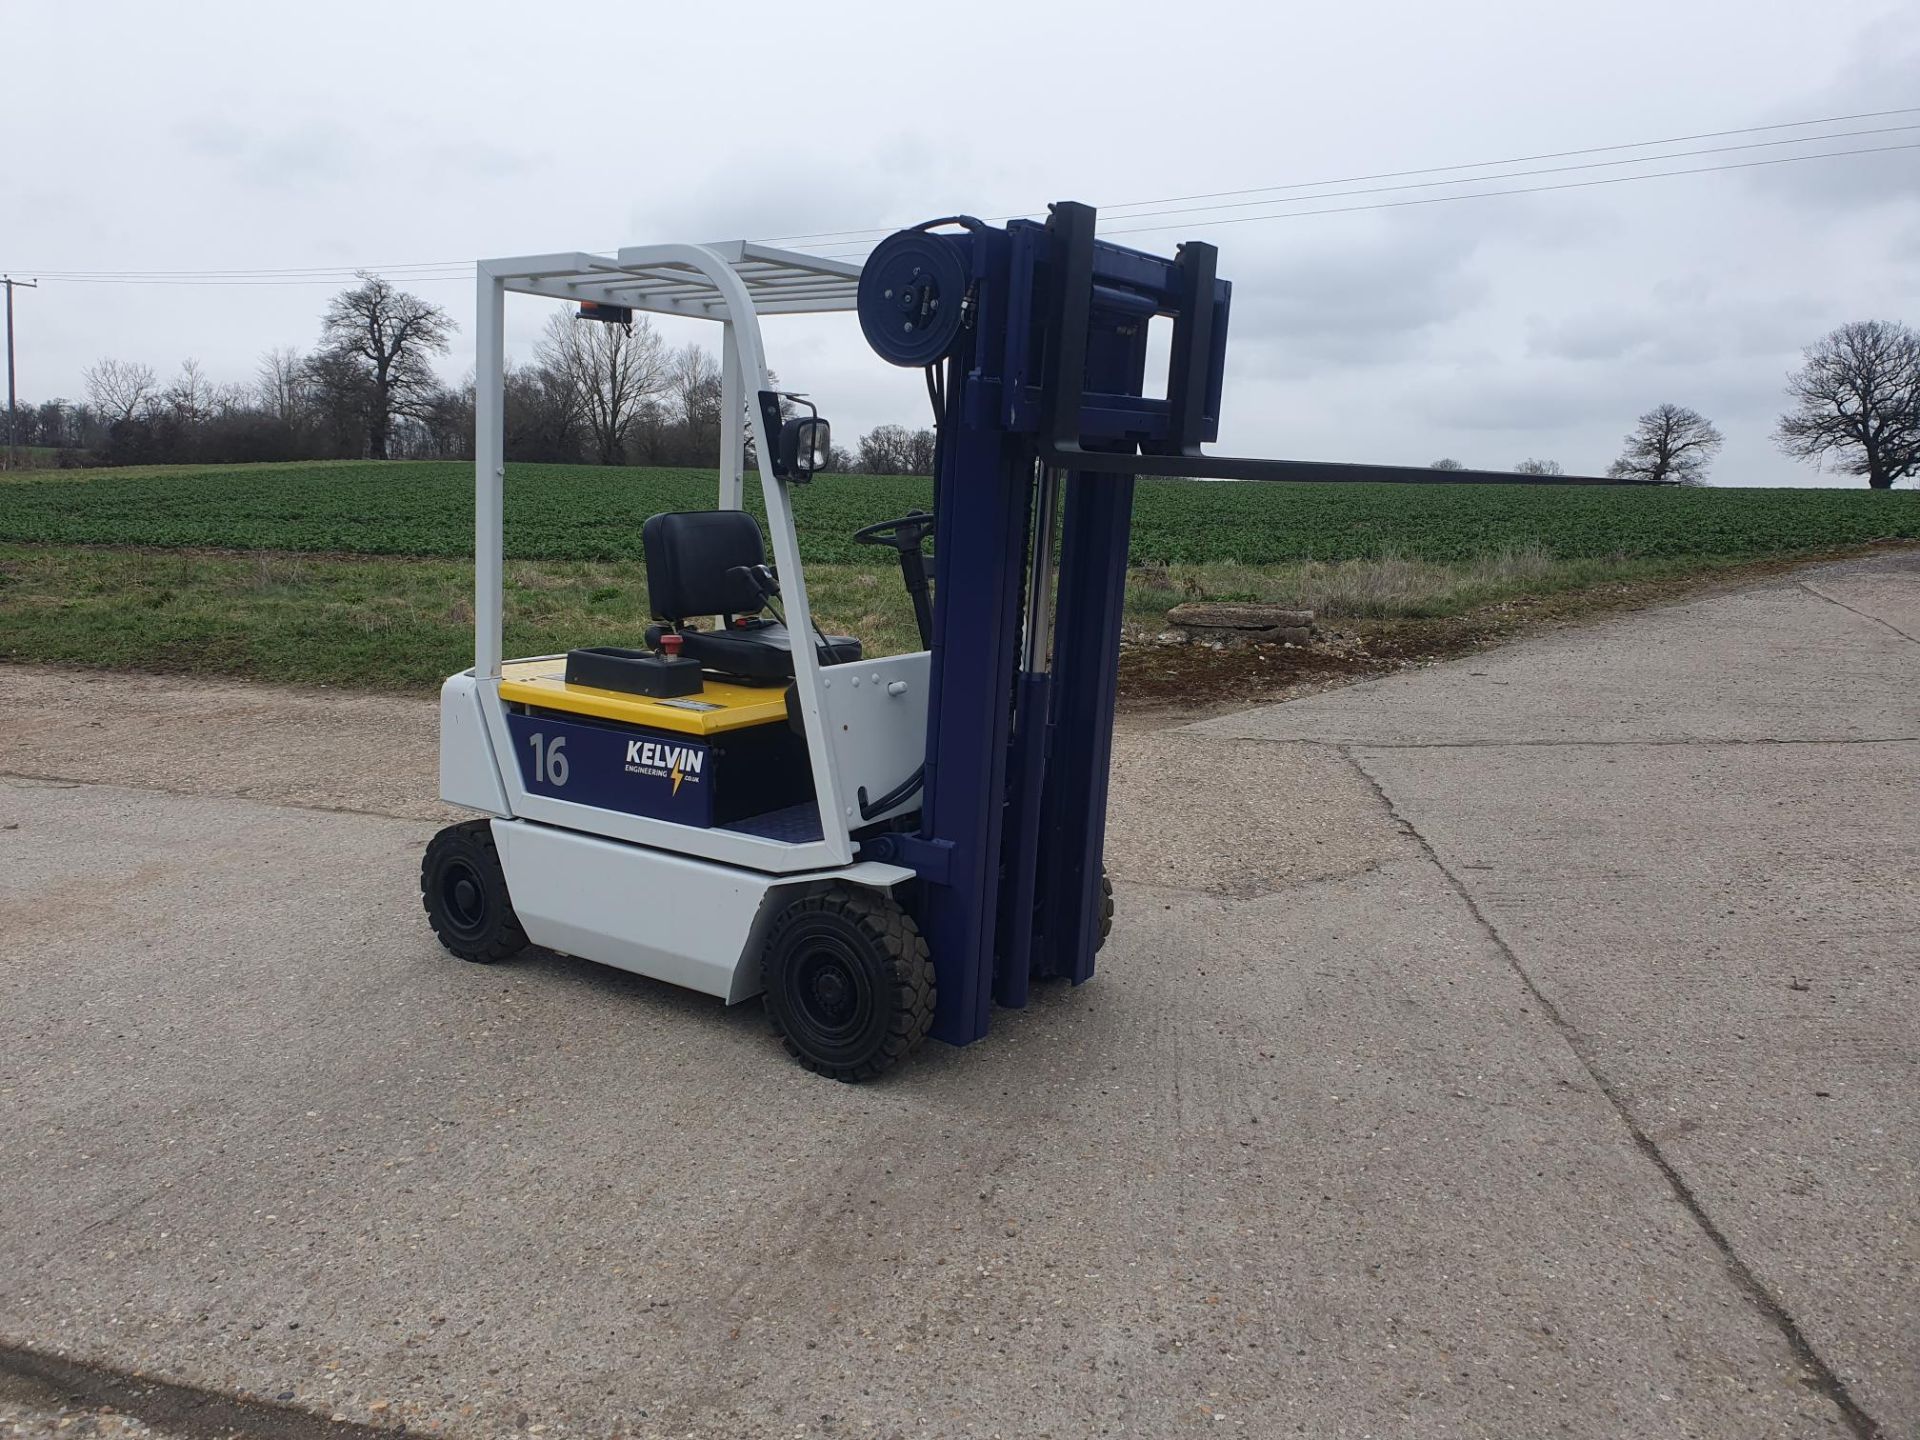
pixel 883 450
pixel 120 389
pixel 920 452
pixel 1538 467
pixel 444 428
pixel 280 384
pixel 83 425
pixel 682 427
pixel 337 386
pixel 191 395
pixel 389 334
pixel 227 399
pixel 1671 444
pixel 53 422
pixel 608 372
pixel 1858 397
pixel 541 414
pixel 1446 464
pixel 896 450
pixel 696 387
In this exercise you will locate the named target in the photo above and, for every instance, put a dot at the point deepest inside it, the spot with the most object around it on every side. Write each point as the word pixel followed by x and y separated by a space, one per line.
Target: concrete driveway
pixel 1523 1046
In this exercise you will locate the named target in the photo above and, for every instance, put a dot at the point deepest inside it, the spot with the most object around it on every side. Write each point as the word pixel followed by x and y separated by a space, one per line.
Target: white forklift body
pixel 687 903
pixel 888 849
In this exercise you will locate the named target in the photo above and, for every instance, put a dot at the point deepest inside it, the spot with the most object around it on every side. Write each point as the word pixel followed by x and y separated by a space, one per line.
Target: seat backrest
pixel 689 553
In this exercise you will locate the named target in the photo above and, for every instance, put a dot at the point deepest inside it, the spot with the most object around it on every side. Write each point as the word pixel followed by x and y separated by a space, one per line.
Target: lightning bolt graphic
pixel 676 779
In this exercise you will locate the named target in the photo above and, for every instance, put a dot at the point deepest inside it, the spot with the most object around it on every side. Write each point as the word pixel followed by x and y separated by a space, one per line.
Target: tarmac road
pixel 1523 1046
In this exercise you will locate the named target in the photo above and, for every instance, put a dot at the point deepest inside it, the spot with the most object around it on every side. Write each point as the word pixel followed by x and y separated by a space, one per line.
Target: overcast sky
pixel 253 136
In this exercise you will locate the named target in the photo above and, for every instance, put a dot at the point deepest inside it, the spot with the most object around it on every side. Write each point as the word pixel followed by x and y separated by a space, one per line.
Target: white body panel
pixel 468 775
pixel 877 725
pixel 689 922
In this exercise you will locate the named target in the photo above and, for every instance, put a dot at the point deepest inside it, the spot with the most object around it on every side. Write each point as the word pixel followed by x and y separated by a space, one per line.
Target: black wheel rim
pixel 463 899
pixel 828 997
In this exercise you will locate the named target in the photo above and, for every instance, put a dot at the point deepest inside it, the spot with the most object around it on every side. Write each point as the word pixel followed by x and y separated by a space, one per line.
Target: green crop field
pixel 591 513
pixel 360 574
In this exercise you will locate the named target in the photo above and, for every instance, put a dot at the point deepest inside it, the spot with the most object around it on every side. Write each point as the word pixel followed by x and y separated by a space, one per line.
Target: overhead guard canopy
pixel 780 282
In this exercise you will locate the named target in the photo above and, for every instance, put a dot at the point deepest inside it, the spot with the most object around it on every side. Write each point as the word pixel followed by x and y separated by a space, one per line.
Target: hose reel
pixel 912 294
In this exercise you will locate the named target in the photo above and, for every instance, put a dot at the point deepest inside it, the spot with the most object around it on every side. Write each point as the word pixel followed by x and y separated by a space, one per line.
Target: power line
pixel 1525 189
pixel 851 248
pixel 1429 170
pixel 848 249
pixel 1525 174
pixel 1569 154
pixel 465 278
pixel 294 270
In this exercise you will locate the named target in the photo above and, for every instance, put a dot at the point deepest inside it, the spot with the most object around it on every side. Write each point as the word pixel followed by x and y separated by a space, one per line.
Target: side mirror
pixel 805 443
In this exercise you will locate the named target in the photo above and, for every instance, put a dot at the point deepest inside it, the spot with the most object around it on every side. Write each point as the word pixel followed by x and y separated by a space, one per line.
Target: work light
pixel 816 437
pixel 805 442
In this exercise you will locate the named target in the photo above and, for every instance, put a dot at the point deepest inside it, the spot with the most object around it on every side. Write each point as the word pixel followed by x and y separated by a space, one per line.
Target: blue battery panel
pixel 665 777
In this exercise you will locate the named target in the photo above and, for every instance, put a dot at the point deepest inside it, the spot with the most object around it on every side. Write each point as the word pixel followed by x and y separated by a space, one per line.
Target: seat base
pixel 761 650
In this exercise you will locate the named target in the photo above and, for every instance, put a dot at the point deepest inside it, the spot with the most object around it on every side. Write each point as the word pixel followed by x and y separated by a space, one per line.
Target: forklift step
pixel 792 825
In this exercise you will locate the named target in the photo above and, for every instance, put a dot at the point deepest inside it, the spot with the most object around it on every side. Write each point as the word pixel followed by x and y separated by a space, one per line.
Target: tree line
pixel 1854 403
pixel 619 395
pixel 592 393
pixel 1669 445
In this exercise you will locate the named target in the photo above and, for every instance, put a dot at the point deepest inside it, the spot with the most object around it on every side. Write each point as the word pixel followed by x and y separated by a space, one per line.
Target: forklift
pixel 883 849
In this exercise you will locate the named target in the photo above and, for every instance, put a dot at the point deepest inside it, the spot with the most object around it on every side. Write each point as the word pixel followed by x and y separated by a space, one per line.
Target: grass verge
pixel 380 623
pixel 1397 587
pixel 370 622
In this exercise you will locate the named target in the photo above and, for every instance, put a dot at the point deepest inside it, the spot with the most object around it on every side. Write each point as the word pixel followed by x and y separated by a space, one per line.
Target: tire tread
pixel 909 963
pixel 511 937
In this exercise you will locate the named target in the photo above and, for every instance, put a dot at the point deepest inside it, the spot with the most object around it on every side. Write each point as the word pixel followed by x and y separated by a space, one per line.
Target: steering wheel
pixel 903 534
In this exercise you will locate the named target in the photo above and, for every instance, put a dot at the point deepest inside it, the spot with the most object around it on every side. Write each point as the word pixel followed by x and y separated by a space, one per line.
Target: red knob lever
pixel 670 642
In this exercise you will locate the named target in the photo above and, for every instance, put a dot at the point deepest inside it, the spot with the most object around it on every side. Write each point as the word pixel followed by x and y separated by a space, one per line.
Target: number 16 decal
pixel 549 760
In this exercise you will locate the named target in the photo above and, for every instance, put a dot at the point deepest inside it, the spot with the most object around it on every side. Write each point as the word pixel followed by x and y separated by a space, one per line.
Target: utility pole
pixel 12 403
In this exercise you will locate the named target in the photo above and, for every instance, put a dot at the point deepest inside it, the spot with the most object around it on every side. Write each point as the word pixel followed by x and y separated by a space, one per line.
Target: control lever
pixel 905 536
pixel 767 586
pixel 760 577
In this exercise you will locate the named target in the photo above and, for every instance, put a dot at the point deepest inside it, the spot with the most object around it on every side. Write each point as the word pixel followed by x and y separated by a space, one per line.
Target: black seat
pixel 693 560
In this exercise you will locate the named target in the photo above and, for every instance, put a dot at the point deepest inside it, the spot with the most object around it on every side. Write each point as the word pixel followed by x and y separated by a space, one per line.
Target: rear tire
pixel 464 889
pixel 848 982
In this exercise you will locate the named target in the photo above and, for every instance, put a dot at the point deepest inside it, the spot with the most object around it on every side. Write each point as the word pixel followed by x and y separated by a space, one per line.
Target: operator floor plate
pixel 795 825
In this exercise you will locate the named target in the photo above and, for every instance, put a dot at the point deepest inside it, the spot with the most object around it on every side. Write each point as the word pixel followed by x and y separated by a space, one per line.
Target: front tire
pixel 848 982
pixel 464 889
pixel 1106 910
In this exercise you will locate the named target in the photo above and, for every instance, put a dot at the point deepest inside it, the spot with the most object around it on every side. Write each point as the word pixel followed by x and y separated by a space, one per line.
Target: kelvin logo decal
pixel 663 762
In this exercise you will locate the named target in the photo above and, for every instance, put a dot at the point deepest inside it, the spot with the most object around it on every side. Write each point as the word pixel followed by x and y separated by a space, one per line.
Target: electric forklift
pixel 884 849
